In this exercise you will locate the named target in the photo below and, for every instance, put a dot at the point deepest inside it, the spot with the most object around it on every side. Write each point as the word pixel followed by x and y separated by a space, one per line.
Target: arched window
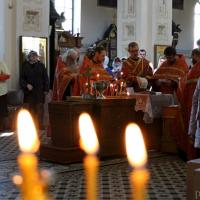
pixel 196 23
pixel 72 13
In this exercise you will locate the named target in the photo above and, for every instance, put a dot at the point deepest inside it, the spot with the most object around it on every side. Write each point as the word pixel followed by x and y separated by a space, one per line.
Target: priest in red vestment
pixel 168 76
pixel 66 76
pixel 186 96
pixel 167 79
pixel 136 69
pixel 92 69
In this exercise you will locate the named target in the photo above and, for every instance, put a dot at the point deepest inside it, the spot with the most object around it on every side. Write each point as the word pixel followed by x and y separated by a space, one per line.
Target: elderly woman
pixel 65 81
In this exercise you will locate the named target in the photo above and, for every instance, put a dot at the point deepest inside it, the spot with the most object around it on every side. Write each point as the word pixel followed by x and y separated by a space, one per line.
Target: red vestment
pixel 62 78
pixel 175 72
pixel 90 70
pixel 132 68
pixel 187 91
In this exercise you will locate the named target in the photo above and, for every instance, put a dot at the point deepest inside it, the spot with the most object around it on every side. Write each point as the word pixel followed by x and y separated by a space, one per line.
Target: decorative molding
pixel 129 31
pixel 32 19
pixel 162 9
pixel 162 32
pixel 129 8
pixel 33 1
pixel 124 49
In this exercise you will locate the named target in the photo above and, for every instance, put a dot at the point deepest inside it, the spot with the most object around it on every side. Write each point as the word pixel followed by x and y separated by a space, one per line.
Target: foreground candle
pixel 137 156
pixel 31 184
pixel 89 143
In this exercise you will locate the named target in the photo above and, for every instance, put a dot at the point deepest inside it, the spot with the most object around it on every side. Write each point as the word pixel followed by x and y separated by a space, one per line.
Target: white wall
pixel 2 32
pixel 43 8
pixel 145 18
pixel 11 27
pixel 186 19
pixel 94 21
pixel 10 50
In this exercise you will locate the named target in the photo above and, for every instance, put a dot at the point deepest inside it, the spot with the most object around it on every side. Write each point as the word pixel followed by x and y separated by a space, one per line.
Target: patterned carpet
pixel 168 174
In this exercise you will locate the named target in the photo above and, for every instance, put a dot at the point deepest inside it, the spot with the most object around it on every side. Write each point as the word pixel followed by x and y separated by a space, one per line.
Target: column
pixel 2 31
pixel 147 22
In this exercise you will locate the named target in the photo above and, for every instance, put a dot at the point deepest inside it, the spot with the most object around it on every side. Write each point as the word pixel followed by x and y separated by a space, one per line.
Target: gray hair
pixel 69 52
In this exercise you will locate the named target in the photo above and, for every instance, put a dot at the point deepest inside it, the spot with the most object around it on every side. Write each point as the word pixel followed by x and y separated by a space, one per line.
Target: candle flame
pixel 17 180
pixel 88 138
pixel 98 75
pixel 135 148
pixel 128 93
pixel 27 135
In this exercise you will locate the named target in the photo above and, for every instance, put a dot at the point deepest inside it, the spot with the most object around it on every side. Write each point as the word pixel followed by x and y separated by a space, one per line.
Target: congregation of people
pixel 73 78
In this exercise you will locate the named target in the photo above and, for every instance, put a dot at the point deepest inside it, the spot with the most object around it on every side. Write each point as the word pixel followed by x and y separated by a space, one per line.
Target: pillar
pixel 147 22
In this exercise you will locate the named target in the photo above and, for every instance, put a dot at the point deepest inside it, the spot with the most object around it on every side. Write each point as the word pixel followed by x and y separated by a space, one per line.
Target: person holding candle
pixel 4 76
pixel 136 70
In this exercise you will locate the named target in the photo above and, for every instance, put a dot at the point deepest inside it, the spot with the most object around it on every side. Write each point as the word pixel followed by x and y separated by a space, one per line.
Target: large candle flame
pixel 27 135
pixel 88 138
pixel 135 148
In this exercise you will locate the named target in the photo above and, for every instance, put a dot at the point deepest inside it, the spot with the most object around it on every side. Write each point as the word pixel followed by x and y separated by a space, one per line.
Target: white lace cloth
pixel 152 105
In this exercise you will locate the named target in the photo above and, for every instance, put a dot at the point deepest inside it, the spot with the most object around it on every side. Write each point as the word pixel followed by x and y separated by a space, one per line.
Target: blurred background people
pixel 143 53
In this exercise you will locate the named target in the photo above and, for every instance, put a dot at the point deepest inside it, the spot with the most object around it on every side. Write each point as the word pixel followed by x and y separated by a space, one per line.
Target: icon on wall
pixel 32 19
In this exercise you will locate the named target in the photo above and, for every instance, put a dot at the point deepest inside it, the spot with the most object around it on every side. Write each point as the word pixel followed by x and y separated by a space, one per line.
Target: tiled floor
pixel 167 181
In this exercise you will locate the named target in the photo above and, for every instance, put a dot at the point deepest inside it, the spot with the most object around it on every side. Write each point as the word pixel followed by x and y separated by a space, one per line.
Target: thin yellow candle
pixel 111 89
pixel 98 76
pixel 121 87
pixel 137 156
pixel 89 143
pixel 31 186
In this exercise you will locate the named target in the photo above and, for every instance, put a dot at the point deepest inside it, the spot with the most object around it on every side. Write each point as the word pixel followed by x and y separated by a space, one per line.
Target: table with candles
pixel 110 117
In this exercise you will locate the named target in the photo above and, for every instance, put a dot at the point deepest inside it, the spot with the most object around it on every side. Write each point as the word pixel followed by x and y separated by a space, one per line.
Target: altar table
pixel 110 118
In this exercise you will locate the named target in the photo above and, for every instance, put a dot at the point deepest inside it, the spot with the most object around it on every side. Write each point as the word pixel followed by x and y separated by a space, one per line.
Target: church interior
pixel 99 99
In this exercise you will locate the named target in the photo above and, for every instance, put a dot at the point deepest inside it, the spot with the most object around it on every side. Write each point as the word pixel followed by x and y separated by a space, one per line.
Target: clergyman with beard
pixel 166 78
pixel 187 96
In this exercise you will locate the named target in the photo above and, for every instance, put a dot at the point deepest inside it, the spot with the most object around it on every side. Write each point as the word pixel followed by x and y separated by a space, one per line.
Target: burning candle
pixel 137 157
pixel 31 184
pixel 98 75
pixel 121 88
pixel 89 143
pixel 111 89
